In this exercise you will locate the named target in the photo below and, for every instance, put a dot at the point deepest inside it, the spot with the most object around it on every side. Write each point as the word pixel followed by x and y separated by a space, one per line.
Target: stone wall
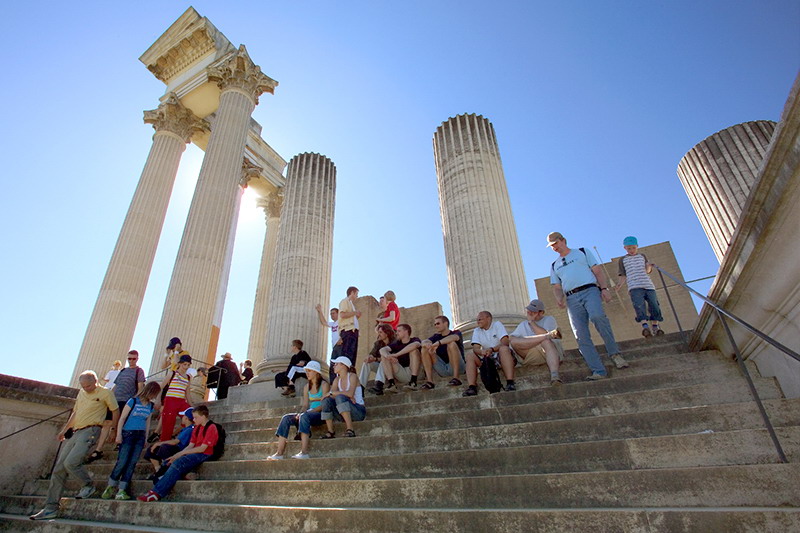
pixel 31 453
pixel 620 309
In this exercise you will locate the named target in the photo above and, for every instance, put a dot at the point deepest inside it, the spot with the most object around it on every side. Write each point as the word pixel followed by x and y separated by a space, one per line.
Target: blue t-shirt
pixel 137 418
pixel 573 270
pixel 185 436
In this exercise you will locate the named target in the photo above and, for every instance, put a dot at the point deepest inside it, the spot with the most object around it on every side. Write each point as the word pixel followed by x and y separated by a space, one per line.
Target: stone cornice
pixel 173 117
pixel 239 72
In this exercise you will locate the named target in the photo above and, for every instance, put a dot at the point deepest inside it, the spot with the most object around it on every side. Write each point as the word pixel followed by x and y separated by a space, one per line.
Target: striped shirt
pixel 634 268
pixel 178 386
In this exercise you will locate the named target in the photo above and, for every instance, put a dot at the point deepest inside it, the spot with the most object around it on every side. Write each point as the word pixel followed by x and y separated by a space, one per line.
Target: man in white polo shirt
pixel 488 339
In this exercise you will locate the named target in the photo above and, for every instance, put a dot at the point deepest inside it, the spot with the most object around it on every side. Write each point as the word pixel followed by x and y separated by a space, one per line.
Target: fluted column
pixel 302 275
pixel 718 175
pixel 258 328
pixel 113 321
pixel 484 265
pixel 196 289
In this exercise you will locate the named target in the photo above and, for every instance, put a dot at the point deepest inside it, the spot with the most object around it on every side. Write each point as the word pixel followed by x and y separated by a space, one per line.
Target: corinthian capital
pixel 250 171
pixel 272 204
pixel 241 73
pixel 171 116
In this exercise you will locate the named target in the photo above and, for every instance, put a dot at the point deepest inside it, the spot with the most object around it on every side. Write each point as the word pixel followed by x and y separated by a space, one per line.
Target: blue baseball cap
pixel 630 241
pixel 188 413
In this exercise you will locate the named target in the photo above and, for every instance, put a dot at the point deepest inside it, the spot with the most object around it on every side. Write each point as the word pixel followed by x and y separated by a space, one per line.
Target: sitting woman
pixel 310 413
pixel 345 402
pixel 131 433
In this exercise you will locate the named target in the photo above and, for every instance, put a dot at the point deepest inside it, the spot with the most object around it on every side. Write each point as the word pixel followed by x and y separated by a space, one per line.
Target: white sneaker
pixel 595 377
pixel 620 361
pixel 275 457
pixel 391 389
pixel 86 492
pixel 411 387
pixel 300 455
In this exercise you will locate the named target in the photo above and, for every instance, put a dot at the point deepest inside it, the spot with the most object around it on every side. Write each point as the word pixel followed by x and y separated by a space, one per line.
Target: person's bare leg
pixel 304 438
pixel 472 369
pixel 387 369
pixel 415 361
pixel 507 362
pixel 427 360
pixel 281 446
pixel 551 355
pixel 454 355
pixel 348 420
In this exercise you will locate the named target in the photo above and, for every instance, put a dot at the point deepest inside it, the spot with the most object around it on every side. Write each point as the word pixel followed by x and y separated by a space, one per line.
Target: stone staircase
pixel 673 443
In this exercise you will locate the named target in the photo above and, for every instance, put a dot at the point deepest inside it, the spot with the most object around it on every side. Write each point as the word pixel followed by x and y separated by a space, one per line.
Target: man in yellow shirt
pixel 85 422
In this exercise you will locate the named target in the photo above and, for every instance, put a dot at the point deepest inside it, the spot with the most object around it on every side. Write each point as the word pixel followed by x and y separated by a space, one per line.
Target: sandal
pixel 349 433
pixel 329 435
pixel 94 456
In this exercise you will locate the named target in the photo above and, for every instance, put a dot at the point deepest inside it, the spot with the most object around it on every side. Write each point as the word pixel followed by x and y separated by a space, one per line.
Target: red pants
pixel 172 406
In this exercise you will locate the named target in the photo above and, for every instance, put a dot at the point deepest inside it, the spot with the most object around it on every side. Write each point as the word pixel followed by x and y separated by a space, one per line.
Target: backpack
pixel 489 375
pixel 219 448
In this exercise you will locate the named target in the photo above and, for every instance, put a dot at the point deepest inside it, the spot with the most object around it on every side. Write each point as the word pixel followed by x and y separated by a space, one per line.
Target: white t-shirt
pixel 547 323
pixel 110 378
pixel 334 332
pixel 489 338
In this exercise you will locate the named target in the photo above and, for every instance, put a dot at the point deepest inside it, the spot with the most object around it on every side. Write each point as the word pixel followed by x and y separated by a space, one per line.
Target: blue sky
pixel 594 104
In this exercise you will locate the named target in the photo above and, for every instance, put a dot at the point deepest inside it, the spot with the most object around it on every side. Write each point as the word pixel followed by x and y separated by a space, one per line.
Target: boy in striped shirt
pixel 635 269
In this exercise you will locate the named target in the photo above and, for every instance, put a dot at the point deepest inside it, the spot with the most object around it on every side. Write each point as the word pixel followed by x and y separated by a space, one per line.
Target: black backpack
pixel 490 376
pixel 219 448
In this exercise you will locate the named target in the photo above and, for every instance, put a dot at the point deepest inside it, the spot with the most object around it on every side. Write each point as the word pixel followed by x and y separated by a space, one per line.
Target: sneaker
pixel 595 377
pixel 428 385
pixel 411 387
pixel 301 455
pixel 392 388
pixel 288 392
pixel 377 391
pixel 86 492
pixel 659 332
pixel 45 514
pixel 192 476
pixel 471 391
pixel 122 495
pixel 556 382
pixel 455 382
pixel 646 332
pixel 511 387
pixel 555 334
pixel 275 457
pixel 620 361
pixel 108 493
pixel 149 496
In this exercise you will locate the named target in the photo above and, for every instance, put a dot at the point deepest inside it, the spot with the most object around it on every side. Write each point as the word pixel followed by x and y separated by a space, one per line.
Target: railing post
pixel 753 391
pixel 672 306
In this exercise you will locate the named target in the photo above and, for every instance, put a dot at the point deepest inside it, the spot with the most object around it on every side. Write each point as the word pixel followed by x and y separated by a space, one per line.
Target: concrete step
pixel 258 519
pixel 763 485
pixel 684 369
pixel 21 523
pixel 751 446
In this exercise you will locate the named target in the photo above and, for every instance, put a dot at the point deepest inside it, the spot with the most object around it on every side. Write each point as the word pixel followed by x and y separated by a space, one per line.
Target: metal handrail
pixel 723 314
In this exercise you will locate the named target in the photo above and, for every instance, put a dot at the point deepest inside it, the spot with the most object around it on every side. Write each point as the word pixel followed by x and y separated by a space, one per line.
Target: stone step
pixel 258 519
pixel 763 485
pixel 689 369
pixel 698 448
pixel 576 363
pixel 21 523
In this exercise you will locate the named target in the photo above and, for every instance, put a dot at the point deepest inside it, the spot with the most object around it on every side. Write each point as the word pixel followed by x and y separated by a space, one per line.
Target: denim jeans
pixel 331 409
pixel 129 452
pixel 639 297
pixel 307 419
pixel 179 468
pixel 583 307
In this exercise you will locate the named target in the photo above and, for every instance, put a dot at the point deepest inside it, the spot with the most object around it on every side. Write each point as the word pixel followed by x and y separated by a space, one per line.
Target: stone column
pixel 258 328
pixel 302 275
pixel 484 265
pixel 718 175
pixel 113 322
pixel 195 293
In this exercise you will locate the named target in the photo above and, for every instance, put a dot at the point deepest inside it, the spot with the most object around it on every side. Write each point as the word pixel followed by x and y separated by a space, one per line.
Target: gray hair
pixel 86 374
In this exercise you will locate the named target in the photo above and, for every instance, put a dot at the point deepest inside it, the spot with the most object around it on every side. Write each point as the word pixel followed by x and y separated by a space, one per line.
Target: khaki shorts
pixel 534 357
pixel 402 374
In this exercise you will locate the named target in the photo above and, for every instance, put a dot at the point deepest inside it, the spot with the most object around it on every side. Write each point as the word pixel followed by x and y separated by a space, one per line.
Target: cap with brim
pixel 313 365
pixel 343 360
pixel 535 306
pixel 553 238
pixel 188 413
pixel 630 241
